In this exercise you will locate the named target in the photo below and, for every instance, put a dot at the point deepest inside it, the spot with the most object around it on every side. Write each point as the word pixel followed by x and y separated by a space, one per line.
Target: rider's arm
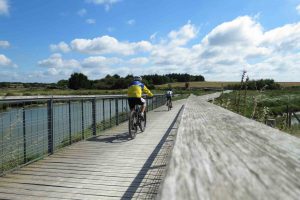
pixel 147 91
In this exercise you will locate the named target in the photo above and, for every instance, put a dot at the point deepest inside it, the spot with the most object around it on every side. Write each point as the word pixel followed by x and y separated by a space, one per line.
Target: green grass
pixel 269 104
pixel 159 88
pixel 203 84
pixel 217 84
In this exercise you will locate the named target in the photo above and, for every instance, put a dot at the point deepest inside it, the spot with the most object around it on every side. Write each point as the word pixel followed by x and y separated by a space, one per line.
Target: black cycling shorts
pixel 135 101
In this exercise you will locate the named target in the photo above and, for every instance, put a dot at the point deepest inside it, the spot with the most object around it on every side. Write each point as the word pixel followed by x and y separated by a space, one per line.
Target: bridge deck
pixel 221 155
pixel 107 167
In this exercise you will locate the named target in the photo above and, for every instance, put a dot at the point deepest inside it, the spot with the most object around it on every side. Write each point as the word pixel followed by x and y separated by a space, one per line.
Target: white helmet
pixel 137 78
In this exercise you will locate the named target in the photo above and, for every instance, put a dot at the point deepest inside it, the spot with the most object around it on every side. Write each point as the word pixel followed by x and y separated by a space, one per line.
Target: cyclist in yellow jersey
pixel 135 91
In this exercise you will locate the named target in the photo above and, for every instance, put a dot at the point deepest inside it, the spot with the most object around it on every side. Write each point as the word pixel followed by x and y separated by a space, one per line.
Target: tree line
pixel 81 81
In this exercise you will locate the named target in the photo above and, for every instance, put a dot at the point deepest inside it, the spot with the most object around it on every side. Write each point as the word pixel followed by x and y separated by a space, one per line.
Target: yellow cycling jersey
pixel 136 89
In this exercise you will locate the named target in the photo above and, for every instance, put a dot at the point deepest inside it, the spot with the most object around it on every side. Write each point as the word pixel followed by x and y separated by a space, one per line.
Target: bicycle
pixel 169 104
pixel 135 121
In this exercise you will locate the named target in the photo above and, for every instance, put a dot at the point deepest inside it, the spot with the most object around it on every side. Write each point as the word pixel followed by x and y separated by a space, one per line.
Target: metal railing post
pixel 109 112
pixel 50 126
pixel 70 123
pixel 122 110
pixel 94 116
pixel 158 103
pixel 117 110
pixel 152 102
pixel 126 102
pixel 147 103
pixel 24 135
pixel 103 109
pixel 82 120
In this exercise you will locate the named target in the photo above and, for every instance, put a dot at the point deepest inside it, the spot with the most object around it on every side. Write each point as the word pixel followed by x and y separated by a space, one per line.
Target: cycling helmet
pixel 137 78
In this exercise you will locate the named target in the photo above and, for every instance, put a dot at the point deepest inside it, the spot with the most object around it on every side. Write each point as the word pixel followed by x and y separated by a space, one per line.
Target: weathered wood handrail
pixel 221 155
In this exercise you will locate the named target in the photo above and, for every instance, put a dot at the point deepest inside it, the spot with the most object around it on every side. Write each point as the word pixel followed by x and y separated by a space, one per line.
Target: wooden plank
pixel 222 155
pixel 96 169
pixel 6 196
pixel 68 194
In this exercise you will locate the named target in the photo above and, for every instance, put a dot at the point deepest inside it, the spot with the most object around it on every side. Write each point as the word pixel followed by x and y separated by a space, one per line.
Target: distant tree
pixel 129 76
pixel 4 84
pixel 63 83
pixel 116 76
pixel 78 81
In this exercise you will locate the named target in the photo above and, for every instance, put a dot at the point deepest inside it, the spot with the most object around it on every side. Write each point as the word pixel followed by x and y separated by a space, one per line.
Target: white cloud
pixel 283 39
pixel 298 9
pixel 107 3
pixel 241 31
pixel 90 21
pixel 62 46
pixel 4 7
pixel 131 22
pixel 6 62
pixel 229 48
pixel 183 35
pixel 100 61
pixel 153 36
pixel 138 61
pixel 57 67
pixel 108 45
pixel 82 12
pixel 221 54
pixel 56 61
pixel 4 44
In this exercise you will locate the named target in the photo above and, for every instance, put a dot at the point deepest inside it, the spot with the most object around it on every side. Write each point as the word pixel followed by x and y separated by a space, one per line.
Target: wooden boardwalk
pixel 107 167
pixel 221 155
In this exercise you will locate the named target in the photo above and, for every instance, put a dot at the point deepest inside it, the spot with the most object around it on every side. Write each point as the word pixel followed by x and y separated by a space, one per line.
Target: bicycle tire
pixel 169 105
pixel 132 127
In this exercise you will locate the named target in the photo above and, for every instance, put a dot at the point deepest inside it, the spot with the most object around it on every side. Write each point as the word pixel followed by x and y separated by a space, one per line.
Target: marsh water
pixel 27 127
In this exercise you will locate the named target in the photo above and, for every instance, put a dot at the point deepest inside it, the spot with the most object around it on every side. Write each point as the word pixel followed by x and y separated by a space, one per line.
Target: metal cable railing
pixel 33 128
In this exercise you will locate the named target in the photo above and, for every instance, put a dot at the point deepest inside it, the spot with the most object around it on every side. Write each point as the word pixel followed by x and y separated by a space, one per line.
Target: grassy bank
pixel 261 106
pixel 217 84
pixel 179 87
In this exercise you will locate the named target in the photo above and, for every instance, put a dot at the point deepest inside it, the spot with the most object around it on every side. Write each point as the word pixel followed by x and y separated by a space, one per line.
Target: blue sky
pixel 46 41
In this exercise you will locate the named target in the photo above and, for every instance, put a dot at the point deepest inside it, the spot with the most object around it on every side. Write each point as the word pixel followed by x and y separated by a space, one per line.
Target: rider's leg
pixel 143 106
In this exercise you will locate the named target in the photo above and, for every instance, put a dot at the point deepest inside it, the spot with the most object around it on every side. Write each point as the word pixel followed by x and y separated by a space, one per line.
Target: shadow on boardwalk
pixel 132 189
pixel 123 137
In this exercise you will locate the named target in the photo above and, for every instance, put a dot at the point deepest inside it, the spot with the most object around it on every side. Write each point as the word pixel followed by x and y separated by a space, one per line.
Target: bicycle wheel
pixel 132 125
pixel 143 122
pixel 169 105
